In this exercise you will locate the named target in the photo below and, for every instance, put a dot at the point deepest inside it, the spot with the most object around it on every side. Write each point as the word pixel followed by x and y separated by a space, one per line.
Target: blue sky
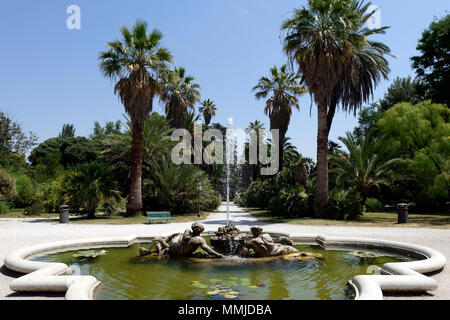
pixel 50 74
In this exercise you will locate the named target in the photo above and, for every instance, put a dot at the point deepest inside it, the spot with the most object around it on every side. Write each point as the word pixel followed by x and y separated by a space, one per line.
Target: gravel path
pixel 19 233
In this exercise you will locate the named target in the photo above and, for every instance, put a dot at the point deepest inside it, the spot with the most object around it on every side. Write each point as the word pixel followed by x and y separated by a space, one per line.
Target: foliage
pixel 363 167
pixel 258 194
pixel 67 152
pixel 12 139
pixel 344 204
pixel 173 188
pixel 51 194
pixel 208 109
pixel 291 202
pixel 137 63
pixel 339 64
pixel 433 64
pixel 90 184
pixel 26 191
pixel 421 134
pixel 68 131
pixel 282 90
pixel 373 205
pixel 7 185
pixel 34 209
pixel 401 90
pixel 179 92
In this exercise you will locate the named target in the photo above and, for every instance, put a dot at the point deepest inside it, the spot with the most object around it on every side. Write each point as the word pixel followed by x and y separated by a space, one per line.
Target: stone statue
pixel 264 246
pixel 228 240
pixel 181 244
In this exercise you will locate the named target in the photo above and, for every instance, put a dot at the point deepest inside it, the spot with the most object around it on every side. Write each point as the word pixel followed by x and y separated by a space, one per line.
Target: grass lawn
pixel 105 219
pixel 382 219
pixel 18 213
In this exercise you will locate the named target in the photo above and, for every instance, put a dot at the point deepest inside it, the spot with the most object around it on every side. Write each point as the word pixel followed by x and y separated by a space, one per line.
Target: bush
pixel 344 204
pixel 35 209
pixel 5 207
pixel 7 185
pixel 173 188
pixel 259 194
pixel 291 202
pixel 25 191
pixel 373 205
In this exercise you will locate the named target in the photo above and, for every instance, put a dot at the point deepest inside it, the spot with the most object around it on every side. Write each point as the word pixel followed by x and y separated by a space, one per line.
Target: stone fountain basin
pixel 391 277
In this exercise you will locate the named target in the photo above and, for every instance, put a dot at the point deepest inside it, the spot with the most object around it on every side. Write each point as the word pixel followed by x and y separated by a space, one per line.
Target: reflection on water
pixel 125 275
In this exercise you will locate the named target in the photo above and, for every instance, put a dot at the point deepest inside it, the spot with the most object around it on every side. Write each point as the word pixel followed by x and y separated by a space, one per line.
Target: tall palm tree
pixel 135 63
pixel 363 167
pixel 208 109
pixel 283 88
pixel 180 92
pixel 339 64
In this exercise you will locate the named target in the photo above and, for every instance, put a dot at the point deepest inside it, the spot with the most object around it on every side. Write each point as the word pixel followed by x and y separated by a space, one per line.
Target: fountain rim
pixel 391 277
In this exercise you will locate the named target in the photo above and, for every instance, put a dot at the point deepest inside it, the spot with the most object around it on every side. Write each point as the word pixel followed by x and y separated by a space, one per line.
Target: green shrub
pixel 259 194
pixel 291 202
pixel 344 204
pixel 5 207
pixel 373 205
pixel 7 185
pixel 35 209
pixel 25 191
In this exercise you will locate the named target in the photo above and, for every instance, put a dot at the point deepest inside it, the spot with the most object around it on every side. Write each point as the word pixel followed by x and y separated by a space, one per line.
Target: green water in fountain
pixel 124 275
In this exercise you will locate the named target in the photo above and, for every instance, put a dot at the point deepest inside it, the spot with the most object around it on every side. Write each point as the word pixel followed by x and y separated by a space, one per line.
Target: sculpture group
pixel 226 241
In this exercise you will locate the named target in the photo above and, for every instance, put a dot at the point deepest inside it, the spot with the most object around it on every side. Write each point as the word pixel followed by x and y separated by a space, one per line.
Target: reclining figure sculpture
pixel 264 246
pixel 181 244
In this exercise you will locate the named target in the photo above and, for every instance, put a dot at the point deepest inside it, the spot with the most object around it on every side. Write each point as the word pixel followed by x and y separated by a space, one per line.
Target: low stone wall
pixel 402 276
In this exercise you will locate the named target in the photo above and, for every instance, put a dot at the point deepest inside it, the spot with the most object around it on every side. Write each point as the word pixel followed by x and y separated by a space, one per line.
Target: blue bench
pixel 159 216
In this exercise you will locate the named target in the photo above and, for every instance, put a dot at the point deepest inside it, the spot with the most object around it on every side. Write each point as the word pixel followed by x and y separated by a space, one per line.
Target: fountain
pixel 227 241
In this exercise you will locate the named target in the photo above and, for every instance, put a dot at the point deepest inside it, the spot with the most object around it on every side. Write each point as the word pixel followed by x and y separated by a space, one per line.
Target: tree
pixel 421 134
pixel 338 63
pixel 136 62
pixel 68 131
pixel 109 128
pixel 90 184
pixel 156 143
pixel 13 139
pixel 362 167
pixel 180 92
pixel 433 65
pixel 67 151
pixel 7 185
pixel 208 109
pixel 283 88
pixel 401 90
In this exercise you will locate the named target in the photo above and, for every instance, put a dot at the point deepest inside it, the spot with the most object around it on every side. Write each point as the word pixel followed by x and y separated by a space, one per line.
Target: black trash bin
pixel 63 214
pixel 402 211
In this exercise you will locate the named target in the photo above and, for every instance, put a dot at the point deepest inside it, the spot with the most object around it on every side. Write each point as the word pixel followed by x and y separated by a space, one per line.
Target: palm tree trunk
pixel 281 150
pixel 134 205
pixel 321 197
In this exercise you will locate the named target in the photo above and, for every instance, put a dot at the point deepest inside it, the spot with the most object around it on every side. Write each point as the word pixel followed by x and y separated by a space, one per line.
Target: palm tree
pixel 90 184
pixel 180 92
pixel 283 88
pixel 363 167
pixel 135 63
pixel 339 64
pixel 208 109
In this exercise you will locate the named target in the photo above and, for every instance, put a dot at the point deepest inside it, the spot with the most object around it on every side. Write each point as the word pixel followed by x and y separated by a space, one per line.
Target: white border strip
pixel 391 277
